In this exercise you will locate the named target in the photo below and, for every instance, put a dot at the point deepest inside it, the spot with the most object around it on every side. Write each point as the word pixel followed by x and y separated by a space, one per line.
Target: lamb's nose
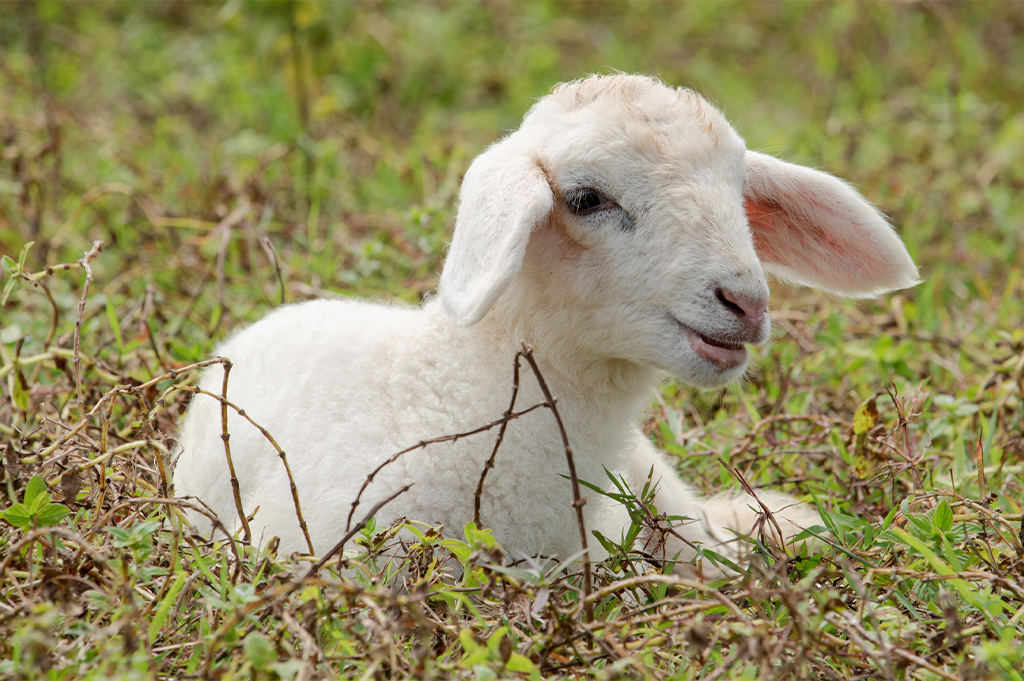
pixel 749 308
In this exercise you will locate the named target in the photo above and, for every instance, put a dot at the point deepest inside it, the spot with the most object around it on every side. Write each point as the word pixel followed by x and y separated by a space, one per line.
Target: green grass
pixel 186 136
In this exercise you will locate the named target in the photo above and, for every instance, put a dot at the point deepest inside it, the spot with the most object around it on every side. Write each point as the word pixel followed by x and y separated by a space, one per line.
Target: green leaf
pixel 966 591
pixel 11 333
pixel 522 664
pixel 863 421
pixel 18 516
pixel 494 642
pixel 259 650
pixel 610 547
pixel 23 255
pixel 889 518
pixel 8 265
pixel 35 487
pixel 479 538
pixel 19 393
pixel 288 669
pixel 8 287
pixel 472 648
pixel 51 514
pixel 38 503
pixel 215 316
pixel 950 553
pixel 943 517
pixel 115 325
pixel 865 417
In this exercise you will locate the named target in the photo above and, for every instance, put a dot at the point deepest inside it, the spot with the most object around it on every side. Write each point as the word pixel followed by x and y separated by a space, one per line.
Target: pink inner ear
pixel 793 240
pixel 811 228
pixel 762 229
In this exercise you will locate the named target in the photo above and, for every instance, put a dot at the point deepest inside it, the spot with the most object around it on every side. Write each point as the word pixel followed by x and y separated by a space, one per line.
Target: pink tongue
pixel 723 354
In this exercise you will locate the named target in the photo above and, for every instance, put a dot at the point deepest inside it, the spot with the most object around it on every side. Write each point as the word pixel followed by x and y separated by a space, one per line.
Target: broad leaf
pixel 35 487
pixel 51 514
pixel 18 516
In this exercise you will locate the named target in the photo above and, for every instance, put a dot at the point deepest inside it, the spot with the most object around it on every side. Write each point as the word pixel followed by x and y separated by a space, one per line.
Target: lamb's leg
pixel 717 523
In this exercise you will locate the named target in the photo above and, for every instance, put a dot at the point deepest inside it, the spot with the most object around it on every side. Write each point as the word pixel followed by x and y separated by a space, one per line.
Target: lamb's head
pixel 628 219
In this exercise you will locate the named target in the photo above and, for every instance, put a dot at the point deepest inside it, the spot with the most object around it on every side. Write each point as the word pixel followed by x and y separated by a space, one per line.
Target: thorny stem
pixel 337 548
pixel 270 438
pixel 766 513
pixel 423 443
pixel 226 437
pixel 89 256
pixel 497 443
pixel 578 500
pixel 268 248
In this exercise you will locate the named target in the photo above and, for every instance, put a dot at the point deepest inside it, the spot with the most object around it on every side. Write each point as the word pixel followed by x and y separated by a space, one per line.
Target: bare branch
pixel 226 437
pixel 578 500
pixel 90 255
pixel 195 390
pixel 337 548
pixel 497 443
pixel 423 443
pixel 268 248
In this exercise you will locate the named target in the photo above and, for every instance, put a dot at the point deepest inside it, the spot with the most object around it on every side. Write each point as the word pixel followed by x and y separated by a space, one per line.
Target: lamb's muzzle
pixel 624 232
pixel 750 309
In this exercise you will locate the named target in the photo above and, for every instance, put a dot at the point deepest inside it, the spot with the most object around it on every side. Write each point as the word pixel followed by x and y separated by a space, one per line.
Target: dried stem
pixel 89 256
pixel 497 443
pixel 270 438
pixel 337 548
pixel 226 437
pixel 423 443
pixel 53 317
pixel 147 307
pixel 765 511
pixel 578 500
pixel 117 390
pixel 268 248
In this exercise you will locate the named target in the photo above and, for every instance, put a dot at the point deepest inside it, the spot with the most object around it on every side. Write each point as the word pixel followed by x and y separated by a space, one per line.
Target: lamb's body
pixel 419 376
pixel 622 232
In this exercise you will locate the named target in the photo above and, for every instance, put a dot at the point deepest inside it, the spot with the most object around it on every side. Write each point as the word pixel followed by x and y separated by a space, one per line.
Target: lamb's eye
pixel 584 201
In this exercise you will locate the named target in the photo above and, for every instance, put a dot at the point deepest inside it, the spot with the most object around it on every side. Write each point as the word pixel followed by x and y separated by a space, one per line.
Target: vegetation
pixel 231 155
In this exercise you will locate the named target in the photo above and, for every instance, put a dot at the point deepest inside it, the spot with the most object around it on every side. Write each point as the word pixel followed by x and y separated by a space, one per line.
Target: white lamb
pixel 623 232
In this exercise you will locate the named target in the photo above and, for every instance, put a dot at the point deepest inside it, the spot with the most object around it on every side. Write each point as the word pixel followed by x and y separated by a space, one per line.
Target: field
pixel 172 171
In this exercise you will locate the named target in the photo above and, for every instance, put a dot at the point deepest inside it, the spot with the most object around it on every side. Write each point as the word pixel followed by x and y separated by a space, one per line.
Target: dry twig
pixel 226 437
pixel 90 255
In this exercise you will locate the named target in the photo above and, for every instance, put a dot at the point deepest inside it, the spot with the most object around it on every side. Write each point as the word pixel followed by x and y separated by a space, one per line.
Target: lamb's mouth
pixel 722 354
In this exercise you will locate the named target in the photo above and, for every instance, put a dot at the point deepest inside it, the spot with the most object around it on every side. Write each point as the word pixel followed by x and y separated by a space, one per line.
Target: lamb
pixel 623 232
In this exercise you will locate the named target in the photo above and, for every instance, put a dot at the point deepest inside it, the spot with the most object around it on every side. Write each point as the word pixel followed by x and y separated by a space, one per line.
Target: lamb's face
pixel 647 247
pixel 625 220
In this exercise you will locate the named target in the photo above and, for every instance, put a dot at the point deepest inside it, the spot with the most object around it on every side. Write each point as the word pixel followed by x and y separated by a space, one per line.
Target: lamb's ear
pixel 505 194
pixel 814 229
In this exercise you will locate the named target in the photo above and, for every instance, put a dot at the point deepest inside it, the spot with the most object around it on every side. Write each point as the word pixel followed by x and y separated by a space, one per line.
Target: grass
pixel 230 155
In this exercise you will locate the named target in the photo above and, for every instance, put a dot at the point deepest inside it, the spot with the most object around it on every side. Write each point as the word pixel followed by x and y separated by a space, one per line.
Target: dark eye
pixel 585 201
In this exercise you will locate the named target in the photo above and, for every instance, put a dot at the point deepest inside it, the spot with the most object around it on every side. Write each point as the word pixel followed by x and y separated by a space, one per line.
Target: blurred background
pixel 340 130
